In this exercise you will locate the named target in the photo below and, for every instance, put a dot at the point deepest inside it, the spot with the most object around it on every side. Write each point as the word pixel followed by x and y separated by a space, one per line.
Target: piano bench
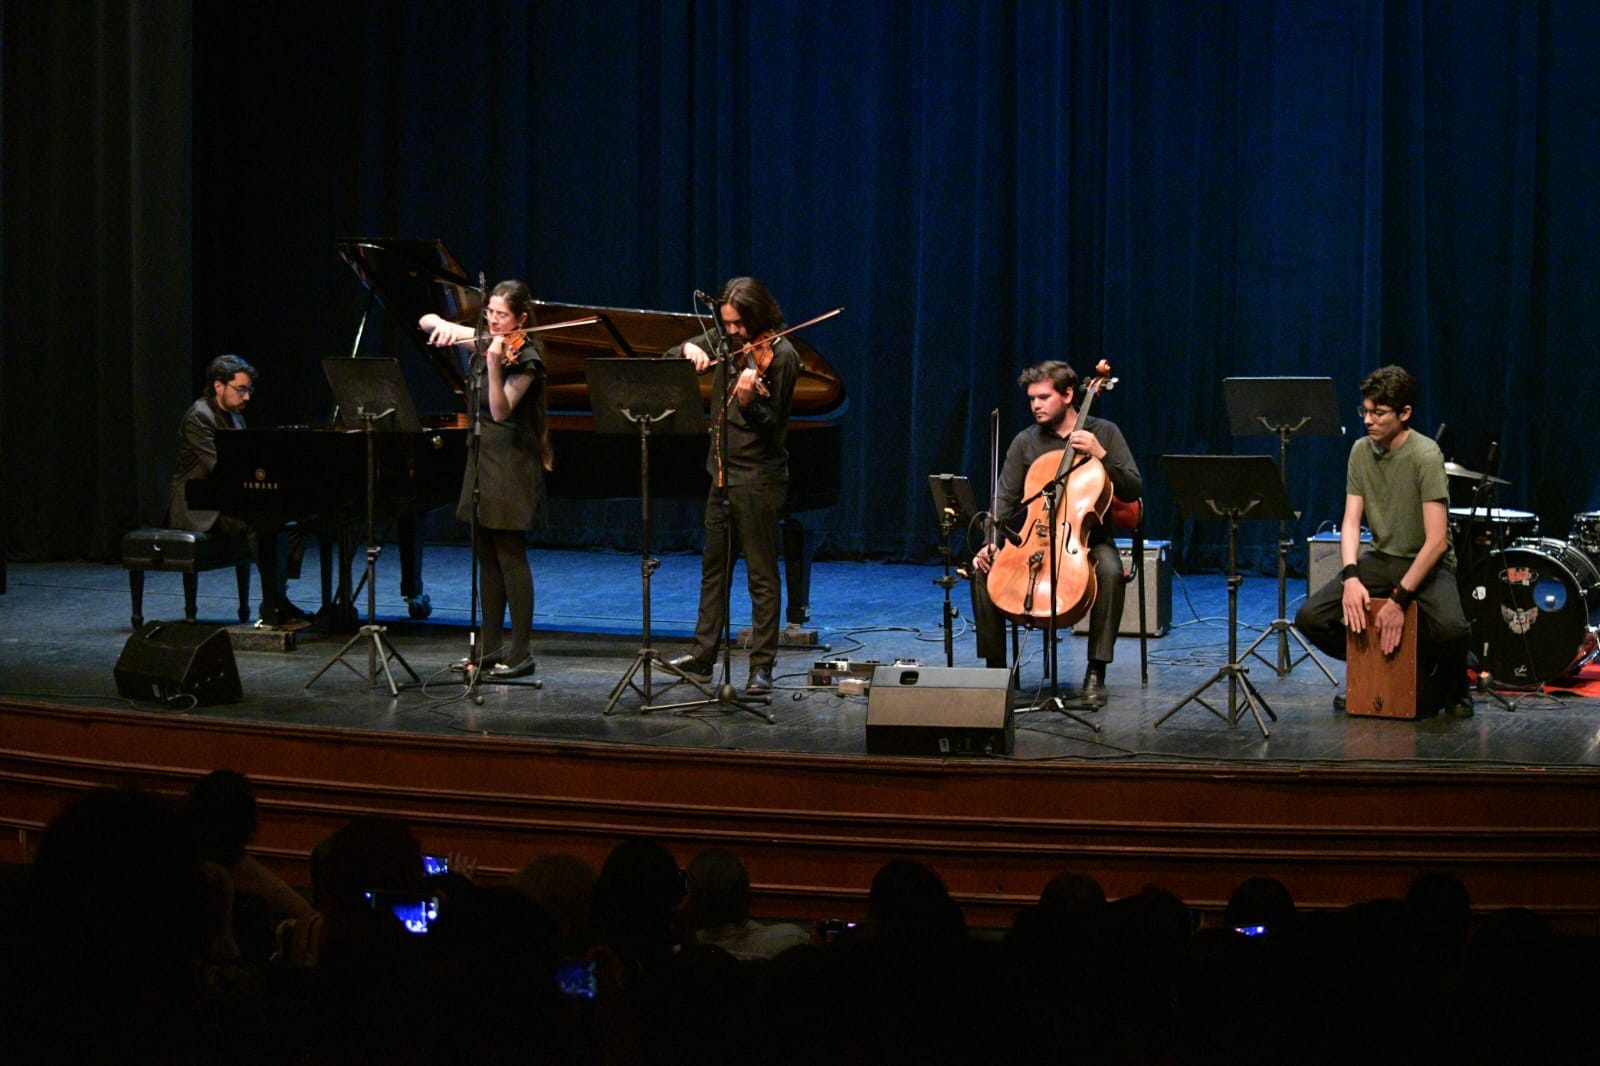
pixel 188 553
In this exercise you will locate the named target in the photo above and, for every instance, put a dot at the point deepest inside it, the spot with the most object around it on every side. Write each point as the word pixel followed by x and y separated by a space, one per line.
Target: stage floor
pixel 64 626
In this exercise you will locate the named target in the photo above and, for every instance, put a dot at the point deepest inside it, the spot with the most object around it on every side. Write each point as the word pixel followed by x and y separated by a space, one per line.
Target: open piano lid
pixel 412 277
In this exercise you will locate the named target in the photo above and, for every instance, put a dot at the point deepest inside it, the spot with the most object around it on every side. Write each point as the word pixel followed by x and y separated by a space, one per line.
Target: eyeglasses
pixel 242 390
pixel 1373 413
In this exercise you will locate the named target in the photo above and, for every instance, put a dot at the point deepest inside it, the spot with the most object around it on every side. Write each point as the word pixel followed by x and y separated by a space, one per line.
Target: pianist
pixel 230 382
pixel 507 470
pixel 749 474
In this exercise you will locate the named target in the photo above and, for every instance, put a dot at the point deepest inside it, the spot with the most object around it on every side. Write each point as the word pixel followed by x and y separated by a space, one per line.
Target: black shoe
pixel 284 615
pixel 692 668
pixel 760 682
pixel 1094 690
pixel 506 671
pixel 1460 707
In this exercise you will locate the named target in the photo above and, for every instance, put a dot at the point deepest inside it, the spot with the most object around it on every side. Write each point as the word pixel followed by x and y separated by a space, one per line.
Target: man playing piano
pixel 230 382
pixel 749 472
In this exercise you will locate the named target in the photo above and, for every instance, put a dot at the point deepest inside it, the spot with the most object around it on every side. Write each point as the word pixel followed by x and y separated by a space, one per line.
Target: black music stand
pixel 1237 488
pixel 1284 407
pixel 953 499
pixel 644 397
pixel 376 390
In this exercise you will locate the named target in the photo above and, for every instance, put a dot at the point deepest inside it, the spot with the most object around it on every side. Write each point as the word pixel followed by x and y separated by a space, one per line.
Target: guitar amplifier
pixel 1156 573
pixel 1322 558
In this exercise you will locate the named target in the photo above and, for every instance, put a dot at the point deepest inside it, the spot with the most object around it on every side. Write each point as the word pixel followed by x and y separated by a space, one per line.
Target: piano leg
pixel 798 548
pixel 407 533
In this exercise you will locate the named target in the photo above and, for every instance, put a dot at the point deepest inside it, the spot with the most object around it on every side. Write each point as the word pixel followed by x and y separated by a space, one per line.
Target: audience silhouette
pixel 137 936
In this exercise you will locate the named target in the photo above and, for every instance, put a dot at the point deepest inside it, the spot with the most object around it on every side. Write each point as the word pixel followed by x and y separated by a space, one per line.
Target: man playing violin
pixel 1395 481
pixel 1053 394
pixel 749 467
pixel 230 382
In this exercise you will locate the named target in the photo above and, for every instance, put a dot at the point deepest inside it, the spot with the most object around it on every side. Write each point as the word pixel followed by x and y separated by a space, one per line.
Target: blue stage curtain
pixel 1191 190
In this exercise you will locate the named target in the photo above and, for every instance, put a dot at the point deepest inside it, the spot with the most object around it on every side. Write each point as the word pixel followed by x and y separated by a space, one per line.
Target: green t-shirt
pixel 1393 489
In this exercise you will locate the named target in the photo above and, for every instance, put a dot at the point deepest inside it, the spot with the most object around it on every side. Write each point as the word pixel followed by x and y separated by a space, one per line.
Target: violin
pixel 1025 582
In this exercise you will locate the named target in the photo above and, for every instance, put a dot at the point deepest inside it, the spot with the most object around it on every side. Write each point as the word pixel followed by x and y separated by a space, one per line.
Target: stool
pixel 1379 685
pixel 187 552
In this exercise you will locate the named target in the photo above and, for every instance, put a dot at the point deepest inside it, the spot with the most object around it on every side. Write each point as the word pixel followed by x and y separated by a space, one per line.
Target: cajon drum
pixel 1379 685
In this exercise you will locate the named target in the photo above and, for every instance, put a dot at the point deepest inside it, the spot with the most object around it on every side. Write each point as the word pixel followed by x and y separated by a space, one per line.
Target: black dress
pixel 510 454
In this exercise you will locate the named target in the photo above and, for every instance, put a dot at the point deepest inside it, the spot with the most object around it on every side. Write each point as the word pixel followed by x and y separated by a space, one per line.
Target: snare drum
pixel 1532 609
pixel 1585 535
pixel 1472 530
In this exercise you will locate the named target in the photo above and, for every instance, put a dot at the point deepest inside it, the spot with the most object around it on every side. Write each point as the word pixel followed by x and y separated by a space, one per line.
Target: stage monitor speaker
pixel 165 661
pixel 1156 573
pixel 929 710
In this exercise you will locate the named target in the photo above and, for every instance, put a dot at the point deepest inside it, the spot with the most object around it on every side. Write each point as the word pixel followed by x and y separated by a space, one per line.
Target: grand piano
pixel 410 278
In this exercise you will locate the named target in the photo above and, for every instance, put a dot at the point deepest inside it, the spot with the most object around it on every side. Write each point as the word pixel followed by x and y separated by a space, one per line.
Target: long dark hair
pixel 757 309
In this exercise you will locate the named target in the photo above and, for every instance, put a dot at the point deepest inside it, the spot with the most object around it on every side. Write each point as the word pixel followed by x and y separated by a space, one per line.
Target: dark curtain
pixel 1192 191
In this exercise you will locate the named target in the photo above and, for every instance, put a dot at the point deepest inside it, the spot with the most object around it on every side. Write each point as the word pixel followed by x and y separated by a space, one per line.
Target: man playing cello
pixel 1053 395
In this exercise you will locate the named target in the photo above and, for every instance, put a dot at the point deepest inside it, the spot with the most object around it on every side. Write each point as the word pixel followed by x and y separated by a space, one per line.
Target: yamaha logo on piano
pixel 259 483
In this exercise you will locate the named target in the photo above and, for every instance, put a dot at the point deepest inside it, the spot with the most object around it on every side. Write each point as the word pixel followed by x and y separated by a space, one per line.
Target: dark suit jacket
pixel 197 455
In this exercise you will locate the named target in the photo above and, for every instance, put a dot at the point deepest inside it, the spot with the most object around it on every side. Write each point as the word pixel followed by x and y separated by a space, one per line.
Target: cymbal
pixel 1457 470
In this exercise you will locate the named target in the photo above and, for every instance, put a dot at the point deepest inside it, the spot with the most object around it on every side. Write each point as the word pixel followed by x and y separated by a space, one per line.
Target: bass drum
pixel 1533 608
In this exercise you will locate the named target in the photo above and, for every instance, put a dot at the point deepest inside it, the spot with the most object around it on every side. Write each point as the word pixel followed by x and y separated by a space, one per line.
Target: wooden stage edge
pixel 813 829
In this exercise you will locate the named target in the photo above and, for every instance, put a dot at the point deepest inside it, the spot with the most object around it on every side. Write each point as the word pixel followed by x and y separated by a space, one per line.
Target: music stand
pixel 953 499
pixel 376 391
pixel 644 397
pixel 1284 407
pixel 1237 488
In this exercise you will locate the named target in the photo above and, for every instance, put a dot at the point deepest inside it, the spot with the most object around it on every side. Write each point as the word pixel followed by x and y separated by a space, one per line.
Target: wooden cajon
pixel 1379 685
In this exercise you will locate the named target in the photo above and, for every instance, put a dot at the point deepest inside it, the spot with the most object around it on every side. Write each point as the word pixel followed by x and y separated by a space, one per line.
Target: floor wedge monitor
pixel 166 661
pixel 927 710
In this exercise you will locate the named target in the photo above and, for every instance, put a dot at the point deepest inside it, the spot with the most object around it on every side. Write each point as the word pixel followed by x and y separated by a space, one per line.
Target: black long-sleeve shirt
pixel 757 446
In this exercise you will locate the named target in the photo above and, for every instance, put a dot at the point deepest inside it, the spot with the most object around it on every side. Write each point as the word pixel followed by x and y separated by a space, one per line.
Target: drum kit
pixel 1533 602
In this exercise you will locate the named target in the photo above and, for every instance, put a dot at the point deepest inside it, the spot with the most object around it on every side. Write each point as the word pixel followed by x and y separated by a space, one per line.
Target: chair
pixel 189 553
pixel 1129 515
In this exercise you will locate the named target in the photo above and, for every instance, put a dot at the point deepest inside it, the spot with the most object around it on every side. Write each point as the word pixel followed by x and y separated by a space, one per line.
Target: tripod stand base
pixel 1238 678
pixel 380 653
pixel 1283 629
pixel 1063 706
pixel 646 660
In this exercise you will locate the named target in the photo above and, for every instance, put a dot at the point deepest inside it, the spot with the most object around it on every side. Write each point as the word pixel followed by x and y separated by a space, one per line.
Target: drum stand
pixel 1231 487
pixel 1284 407
pixel 1483 500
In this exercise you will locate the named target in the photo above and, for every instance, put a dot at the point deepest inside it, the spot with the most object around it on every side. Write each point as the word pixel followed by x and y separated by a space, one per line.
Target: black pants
pixel 1442 646
pixel 752 512
pixel 1104 616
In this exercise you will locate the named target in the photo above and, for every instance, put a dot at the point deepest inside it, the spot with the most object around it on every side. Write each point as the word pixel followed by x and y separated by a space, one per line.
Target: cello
pixel 1025 583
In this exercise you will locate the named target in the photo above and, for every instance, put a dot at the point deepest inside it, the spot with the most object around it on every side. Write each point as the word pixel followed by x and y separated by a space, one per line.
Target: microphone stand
pixel 474 671
pixel 1053 702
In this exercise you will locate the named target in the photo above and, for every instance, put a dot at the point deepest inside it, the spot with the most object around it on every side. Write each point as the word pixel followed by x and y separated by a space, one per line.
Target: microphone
pixel 1492 462
pixel 698 295
pixel 1438 436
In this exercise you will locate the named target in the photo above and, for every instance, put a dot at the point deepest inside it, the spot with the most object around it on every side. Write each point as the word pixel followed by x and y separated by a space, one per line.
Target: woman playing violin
pixel 749 469
pixel 512 455
pixel 1052 388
